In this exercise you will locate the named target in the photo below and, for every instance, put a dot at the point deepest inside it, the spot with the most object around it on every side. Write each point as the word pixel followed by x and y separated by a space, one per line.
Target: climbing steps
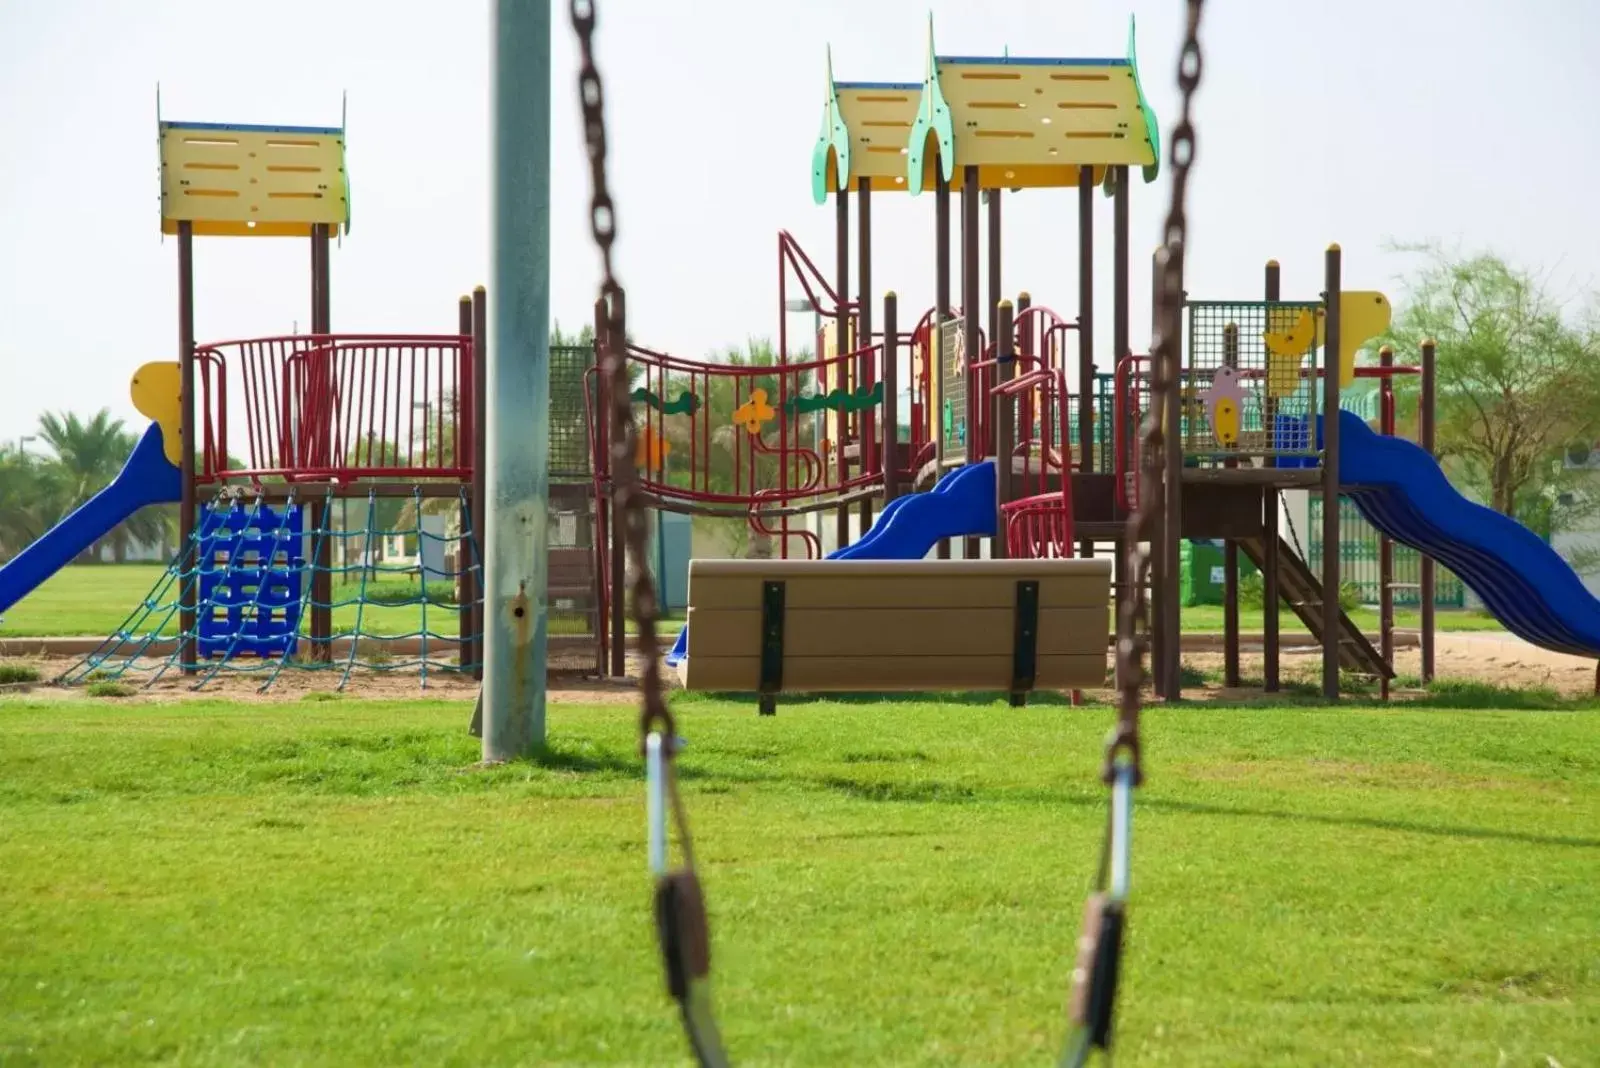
pixel 1301 590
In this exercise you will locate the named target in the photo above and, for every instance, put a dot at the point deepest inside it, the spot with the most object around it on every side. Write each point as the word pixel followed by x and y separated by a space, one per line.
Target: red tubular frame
pixel 319 406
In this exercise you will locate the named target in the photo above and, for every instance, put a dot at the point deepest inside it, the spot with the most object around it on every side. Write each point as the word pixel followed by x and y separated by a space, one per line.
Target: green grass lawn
pixel 332 883
pixel 95 600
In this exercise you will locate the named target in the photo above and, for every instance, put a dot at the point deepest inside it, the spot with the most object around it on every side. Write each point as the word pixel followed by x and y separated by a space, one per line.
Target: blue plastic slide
pixel 147 478
pixel 962 505
pixel 1521 580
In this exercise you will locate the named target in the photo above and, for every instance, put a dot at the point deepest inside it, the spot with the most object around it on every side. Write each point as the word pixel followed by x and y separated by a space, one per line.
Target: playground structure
pixel 990 382
pixel 287 433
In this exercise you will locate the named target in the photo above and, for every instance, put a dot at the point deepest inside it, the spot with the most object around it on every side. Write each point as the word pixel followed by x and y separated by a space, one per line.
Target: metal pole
pixel 941 310
pixel 518 483
pixel 890 427
pixel 843 344
pixel 1230 548
pixel 970 299
pixel 1330 477
pixel 480 466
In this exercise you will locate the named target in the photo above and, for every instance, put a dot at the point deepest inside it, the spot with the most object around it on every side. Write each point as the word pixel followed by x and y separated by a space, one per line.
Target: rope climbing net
pixel 291 587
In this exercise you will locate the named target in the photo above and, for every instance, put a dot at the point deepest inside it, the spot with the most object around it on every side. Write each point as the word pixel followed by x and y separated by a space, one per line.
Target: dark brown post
pixel 866 421
pixel 941 310
pixel 466 578
pixel 188 507
pixel 1230 549
pixel 1004 408
pixel 971 301
pixel 1085 332
pixel 1425 431
pixel 1385 546
pixel 890 427
pixel 1269 535
pixel 1330 476
pixel 1174 490
pixel 843 344
pixel 480 463
pixel 992 237
pixel 322 575
pixel 1120 333
pixel 1158 550
pixel 617 567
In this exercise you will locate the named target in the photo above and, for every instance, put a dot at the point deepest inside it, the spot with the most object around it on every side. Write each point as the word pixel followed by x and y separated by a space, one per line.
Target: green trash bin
pixel 1200 572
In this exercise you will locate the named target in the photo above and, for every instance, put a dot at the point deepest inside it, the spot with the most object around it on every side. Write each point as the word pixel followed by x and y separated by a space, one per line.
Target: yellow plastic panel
pixel 879 119
pixel 1032 124
pixel 252 181
pixel 157 394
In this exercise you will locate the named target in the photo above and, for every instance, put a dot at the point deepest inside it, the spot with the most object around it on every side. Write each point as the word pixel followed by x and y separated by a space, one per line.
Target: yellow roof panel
pixel 1044 118
pixel 252 181
pixel 878 118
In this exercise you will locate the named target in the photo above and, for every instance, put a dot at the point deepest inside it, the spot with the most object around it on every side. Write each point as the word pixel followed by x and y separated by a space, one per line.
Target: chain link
pixel 1133 620
pixel 627 497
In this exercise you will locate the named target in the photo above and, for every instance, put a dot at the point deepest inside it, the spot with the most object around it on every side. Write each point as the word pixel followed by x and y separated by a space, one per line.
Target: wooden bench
pixel 866 626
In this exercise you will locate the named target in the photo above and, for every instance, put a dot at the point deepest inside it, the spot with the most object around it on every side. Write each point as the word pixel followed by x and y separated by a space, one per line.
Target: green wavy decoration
pixel 686 404
pixel 837 400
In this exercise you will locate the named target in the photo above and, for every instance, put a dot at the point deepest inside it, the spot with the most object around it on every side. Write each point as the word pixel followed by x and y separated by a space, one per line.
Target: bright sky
pixel 1357 121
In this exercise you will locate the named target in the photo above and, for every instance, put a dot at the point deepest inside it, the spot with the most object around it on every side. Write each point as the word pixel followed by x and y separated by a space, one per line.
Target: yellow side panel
pixel 1044 120
pixel 1363 315
pixel 840 377
pixel 251 181
pixel 879 120
pixel 157 394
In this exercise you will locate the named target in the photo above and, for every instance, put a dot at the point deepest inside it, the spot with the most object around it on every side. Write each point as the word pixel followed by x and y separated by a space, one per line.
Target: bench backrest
pixel 897 625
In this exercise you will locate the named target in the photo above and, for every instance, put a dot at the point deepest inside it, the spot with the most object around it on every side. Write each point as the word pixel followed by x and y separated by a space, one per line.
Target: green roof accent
pixel 1151 125
pixel 933 118
pixel 835 138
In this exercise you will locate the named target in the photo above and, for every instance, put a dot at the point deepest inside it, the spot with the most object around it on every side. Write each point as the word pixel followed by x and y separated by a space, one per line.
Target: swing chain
pixel 628 499
pixel 1133 623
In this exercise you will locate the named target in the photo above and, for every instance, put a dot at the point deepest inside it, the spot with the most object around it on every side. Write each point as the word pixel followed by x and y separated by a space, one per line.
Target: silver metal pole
pixel 518 461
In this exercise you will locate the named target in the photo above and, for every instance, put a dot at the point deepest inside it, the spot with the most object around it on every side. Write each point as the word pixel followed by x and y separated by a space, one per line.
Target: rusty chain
pixel 1166 350
pixel 627 496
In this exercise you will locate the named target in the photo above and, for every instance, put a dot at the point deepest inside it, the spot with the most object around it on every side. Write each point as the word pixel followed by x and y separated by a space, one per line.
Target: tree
pixel 1517 381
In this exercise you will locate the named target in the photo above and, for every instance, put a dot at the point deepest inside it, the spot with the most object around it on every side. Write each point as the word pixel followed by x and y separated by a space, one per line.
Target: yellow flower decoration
pixel 755 412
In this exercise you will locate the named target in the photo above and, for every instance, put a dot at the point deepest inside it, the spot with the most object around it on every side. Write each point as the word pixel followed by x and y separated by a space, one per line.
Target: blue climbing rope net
pixel 252 570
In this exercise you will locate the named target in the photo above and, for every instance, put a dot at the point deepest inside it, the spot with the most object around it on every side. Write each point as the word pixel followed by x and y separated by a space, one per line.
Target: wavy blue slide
pixel 147 478
pixel 1521 580
pixel 962 505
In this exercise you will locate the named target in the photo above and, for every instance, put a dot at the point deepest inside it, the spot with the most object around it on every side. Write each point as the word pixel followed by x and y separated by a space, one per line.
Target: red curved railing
pixel 337 407
pixel 1126 402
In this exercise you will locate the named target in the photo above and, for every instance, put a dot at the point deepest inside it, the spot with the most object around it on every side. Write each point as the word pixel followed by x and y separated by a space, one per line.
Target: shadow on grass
pixel 1357 693
pixel 933 792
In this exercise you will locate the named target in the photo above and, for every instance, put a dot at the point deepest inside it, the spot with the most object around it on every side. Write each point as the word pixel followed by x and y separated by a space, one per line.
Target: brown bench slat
pixel 857 674
pixel 893 632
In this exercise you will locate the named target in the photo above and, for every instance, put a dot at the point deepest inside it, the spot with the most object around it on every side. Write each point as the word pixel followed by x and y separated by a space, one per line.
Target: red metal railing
pixel 338 407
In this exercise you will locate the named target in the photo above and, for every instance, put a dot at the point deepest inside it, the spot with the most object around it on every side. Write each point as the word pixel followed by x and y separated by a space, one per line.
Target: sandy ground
pixel 1483 657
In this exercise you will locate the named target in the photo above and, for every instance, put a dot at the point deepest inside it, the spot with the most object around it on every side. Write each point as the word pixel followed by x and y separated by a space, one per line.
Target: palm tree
pixel 34 495
pixel 90 454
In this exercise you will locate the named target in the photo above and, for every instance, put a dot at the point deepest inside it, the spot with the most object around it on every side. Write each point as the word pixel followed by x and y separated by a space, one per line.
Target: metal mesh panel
pixel 952 362
pixel 1250 390
pixel 569 416
pixel 1358 561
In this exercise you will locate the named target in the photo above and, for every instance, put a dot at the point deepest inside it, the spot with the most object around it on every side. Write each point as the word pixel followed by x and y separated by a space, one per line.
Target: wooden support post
pixel 1270 653
pixel 1004 408
pixel 1425 431
pixel 866 372
pixel 466 556
pixel 971 301
pixel 188 506
pixel 890 426
pixel 322 566
pixel 1385 546
pixel 941 312
pixel 842 332
pixel 1230 548
pixel 1086 191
